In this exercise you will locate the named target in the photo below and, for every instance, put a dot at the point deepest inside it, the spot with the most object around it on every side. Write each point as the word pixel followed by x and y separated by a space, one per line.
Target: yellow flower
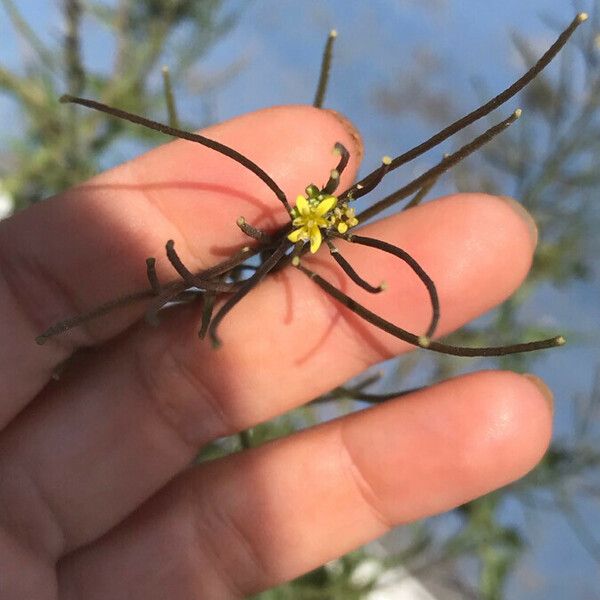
pixel 309 217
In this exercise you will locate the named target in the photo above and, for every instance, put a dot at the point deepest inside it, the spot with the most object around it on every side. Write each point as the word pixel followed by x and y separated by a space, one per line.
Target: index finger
pixel 88 245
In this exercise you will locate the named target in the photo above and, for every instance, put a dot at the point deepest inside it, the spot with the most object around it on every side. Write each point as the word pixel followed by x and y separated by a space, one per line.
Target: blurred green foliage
pixel 61 146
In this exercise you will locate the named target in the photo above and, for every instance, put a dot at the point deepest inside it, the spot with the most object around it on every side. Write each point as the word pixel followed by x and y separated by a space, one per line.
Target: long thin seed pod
pixel 208 304
pixel 421 341
pixel 162 294
pixel 369 183
pixel 234 261
pixel 492 104
pixel 253 232
pixel 99 311
pixel 334 178
pixel 349 270
pixel 447 163
pixel 420 195
pixel 414 265
pixel 250 283
pixel 170 98
pixel 178 265
pixel 325 70
pixel 177 290
pixel 192 280
pixel 152 276
pixel 184 135
pixel 168 294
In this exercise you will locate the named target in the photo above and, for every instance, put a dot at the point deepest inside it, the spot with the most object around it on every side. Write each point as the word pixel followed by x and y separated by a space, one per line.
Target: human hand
pixel 97 496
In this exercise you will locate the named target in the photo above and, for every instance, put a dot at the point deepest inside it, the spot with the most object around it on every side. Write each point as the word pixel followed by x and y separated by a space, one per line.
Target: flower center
pixel 317 211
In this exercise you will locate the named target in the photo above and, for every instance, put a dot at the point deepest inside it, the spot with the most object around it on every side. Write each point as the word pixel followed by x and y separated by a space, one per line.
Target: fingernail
pixel 544 389
pixel 522 212
pixel 351 130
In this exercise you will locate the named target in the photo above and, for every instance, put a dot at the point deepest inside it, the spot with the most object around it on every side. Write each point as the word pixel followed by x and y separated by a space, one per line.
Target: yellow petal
pixel 315 239
pixel 296 235
pixel 325 205
pixel 302 206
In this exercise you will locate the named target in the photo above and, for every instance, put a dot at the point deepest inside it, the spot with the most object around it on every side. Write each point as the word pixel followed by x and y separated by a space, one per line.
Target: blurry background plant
pixel 550 161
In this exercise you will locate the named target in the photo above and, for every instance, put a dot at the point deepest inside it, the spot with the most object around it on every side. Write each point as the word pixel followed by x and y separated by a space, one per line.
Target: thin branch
pixel 325 70
pixel 170 98
pixel 75 74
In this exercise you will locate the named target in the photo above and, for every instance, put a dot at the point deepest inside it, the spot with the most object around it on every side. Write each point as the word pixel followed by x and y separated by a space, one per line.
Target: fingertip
pixel 450 443
pixel 515 426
